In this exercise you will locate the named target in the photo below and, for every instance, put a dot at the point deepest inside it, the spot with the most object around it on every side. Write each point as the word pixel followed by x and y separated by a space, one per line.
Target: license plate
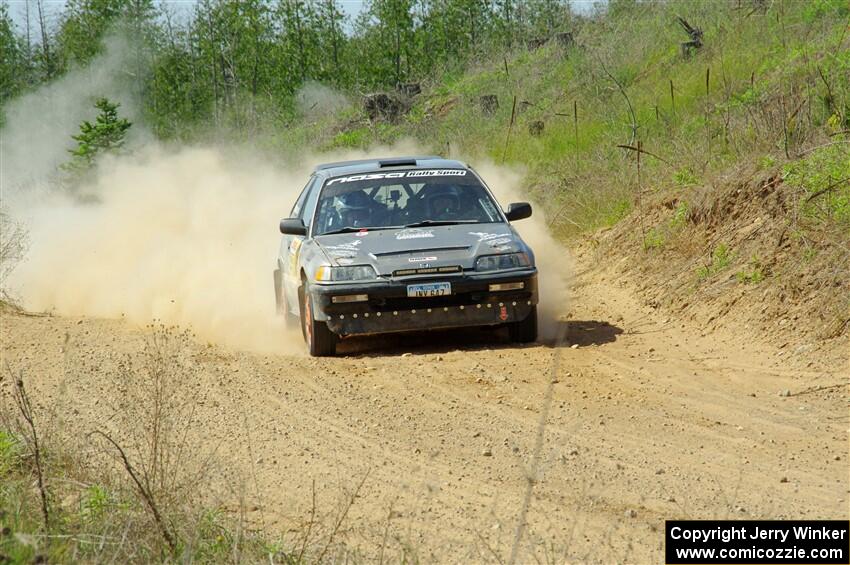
pixel 430 289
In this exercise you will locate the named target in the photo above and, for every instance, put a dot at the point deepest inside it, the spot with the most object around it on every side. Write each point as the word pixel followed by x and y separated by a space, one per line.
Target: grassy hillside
pixel 767 85
pixel 762 108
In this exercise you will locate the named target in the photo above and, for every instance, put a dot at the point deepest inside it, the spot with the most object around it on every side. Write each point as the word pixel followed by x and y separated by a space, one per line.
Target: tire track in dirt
pixel 650 420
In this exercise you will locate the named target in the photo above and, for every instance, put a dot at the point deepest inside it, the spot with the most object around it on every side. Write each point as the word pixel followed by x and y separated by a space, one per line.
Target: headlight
pixel 352 273
pixel 502 262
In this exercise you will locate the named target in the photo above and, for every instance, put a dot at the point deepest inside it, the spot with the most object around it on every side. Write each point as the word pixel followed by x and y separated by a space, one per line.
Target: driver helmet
pixel 354 209
pixel 443 201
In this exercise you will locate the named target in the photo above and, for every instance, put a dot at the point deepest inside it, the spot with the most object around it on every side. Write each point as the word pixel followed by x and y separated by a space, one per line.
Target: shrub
pixel 824 177
pixel 680 216
pixel 685 177
pixel 105 135
pixel 753 275
pixel 721 257
pixel 653 239
pixel 128 492
pixel 13 245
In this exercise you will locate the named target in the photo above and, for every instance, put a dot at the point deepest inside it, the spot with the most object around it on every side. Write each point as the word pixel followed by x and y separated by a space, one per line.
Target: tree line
pixel 241 61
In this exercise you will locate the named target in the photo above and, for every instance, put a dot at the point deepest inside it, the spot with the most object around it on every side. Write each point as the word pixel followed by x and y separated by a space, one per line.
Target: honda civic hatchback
pixel 389 245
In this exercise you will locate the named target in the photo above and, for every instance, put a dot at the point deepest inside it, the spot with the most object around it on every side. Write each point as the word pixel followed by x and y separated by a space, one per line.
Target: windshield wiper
pixel 424 223
pixel 349 229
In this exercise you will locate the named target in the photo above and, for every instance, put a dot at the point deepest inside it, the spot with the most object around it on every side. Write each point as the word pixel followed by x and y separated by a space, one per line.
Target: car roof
pixel 386 163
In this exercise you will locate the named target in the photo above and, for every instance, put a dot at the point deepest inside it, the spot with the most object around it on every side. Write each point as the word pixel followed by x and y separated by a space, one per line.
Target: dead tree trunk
pixel 489 104
pixel 694 33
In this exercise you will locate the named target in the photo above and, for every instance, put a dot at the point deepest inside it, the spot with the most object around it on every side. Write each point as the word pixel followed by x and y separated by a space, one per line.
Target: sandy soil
pixel 651 418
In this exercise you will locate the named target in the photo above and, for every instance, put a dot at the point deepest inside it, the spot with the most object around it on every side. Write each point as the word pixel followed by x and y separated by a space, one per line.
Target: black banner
pixel 813 542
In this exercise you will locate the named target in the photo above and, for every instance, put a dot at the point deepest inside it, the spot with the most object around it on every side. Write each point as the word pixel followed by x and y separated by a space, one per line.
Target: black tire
pixel 526 330
pixel 320 340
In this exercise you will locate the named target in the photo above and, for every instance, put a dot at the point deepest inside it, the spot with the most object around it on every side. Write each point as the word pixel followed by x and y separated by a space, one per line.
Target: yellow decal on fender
pixel 294 249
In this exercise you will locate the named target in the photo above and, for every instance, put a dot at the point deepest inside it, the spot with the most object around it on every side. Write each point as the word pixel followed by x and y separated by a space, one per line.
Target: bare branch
pixel 342 516
pixel 645 152
pixel 143 491
pixel 628 102
pixel 24 405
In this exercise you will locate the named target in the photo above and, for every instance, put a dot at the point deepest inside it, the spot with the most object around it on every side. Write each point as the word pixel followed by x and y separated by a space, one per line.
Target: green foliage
pixel 10 452
pixel 824 177
pixel 685 177
pixel 82 27
pixel 819 8
pixel 12 58
pixel 657 236
pixel 106 134
pixel 240 63
pixel 354 138
pixel 654 239
pixel 214 538
pixel 236 67
pixel 680 216
pixel 721 257
pixel 618 210
pixel 751 276
pixel 767 162
pixel 96 500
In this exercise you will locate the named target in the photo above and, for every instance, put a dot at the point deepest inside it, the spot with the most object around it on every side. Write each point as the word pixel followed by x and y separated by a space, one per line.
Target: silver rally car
pixel 413 243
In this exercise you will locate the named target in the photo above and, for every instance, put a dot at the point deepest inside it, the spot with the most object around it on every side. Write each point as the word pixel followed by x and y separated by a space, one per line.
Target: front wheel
pixel 525 331
pixel 320 340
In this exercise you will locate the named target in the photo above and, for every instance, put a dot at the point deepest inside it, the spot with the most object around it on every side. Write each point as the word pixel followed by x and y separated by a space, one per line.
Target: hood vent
pixel 421 251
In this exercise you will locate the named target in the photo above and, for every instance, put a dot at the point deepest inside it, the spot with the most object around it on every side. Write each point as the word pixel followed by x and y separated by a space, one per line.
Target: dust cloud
pixel 188 236
pixel 37 132
pixel 185 237
pixel 554 263
pixel 316 100
pixel 180 235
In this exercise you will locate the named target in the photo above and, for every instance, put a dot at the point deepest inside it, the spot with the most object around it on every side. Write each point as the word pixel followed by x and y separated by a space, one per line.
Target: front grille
pixel 427 271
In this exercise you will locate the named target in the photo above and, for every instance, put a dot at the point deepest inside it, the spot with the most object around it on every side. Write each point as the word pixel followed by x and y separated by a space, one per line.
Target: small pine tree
pixel 104 135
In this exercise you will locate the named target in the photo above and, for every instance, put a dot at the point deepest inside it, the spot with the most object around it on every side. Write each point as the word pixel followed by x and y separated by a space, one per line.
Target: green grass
pixel 653 239
pixel 753 274
pixel 93 519
pixel 356 139
pixel 617 211
pixel 10 452
pixel 553 82
pixel 680 216
pixel 755 67
pixel 824 179
pixel 721 257
pixel 685 177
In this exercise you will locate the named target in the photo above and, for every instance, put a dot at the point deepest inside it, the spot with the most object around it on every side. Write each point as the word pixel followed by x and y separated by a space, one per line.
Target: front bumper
pixel 390 310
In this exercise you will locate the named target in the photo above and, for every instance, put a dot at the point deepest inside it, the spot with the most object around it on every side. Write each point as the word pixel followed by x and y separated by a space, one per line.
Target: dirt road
pixel 650 419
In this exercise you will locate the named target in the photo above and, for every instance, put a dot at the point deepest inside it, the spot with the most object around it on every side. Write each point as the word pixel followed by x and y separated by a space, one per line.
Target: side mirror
pixel 518 211
pixel 293 226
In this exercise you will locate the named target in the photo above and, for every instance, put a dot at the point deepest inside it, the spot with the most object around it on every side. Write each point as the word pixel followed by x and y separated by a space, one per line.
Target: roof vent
pixel 403 162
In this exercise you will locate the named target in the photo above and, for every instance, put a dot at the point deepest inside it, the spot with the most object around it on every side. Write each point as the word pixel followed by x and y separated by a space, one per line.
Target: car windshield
pixel 403 199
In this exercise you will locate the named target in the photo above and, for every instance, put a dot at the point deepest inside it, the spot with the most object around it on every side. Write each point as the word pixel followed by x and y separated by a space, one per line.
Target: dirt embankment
pixel 742 256
pixel 652 417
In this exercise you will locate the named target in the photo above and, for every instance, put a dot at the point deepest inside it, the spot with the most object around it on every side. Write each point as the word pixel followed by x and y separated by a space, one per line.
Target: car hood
pixel 411 248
